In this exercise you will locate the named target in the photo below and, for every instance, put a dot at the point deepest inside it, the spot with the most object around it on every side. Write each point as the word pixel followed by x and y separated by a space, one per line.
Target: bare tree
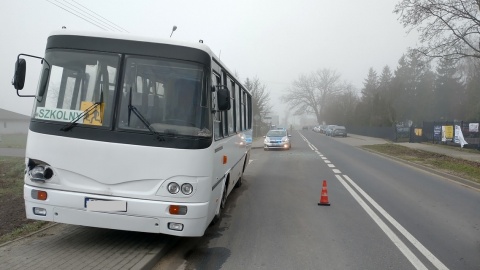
pixel 448 28
pixel 260 100
pixel 309 94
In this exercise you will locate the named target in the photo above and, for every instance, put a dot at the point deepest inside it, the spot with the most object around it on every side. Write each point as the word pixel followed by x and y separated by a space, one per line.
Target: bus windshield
pixel 77 80
pixel 170 95
pixel 156 95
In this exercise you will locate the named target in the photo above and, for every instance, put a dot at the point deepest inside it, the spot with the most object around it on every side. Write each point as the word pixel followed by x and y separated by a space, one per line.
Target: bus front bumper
pixel 140 215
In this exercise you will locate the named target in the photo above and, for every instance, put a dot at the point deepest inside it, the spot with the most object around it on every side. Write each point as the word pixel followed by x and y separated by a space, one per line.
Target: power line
pixel 108 21
pixel 84 15
pixel 76 15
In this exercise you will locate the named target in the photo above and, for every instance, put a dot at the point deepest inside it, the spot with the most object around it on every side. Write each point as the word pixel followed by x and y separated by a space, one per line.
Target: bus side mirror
pixel 19 77
pixel 44 81
pixel 223 99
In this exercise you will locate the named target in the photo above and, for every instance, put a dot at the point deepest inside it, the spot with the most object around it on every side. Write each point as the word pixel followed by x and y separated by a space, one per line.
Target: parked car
pixel 323 128
pixel 329 129
pixel 339 131
pixel 277 139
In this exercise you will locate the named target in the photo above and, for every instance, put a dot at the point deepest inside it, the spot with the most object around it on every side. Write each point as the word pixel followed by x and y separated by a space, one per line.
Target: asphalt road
pixel 383 215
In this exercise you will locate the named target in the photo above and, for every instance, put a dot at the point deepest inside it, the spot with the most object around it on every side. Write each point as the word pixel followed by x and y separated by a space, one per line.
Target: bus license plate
pixel 98 205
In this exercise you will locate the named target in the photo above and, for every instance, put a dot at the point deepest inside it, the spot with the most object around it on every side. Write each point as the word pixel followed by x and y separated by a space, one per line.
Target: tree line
pixel 438 81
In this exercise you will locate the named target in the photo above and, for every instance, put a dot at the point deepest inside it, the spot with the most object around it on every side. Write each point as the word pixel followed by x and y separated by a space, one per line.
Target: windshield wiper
pixel 133 109
pixel 84 113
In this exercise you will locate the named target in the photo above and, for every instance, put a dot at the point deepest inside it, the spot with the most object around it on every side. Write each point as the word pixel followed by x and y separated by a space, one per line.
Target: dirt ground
pixel 12 214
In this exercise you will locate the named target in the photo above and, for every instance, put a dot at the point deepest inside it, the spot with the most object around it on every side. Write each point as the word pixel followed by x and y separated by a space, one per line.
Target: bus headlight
pixel 187 189
pixel 173 188
pixel 40 173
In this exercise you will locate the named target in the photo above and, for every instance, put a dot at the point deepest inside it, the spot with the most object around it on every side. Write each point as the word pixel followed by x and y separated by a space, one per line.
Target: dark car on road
pixel 339 131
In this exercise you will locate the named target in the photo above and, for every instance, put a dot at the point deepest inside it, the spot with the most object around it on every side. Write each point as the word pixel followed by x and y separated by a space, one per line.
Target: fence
pixel 432 131
pixel 428 132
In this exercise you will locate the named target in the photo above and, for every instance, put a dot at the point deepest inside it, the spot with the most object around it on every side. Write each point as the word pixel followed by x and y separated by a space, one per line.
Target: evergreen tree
pixel 410 90
pixel 449 91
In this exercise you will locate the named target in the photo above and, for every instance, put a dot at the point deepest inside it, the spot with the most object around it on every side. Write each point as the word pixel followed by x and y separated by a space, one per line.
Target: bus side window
pixel 225 114
pixel 217 122
pixel 249 119
pixel 231 112
pixel 244 110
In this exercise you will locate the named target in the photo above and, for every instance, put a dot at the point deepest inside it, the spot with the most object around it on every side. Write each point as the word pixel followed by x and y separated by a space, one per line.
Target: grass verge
pixel 13 223
pixel 24 230
pixel 13 141
pixel 459 167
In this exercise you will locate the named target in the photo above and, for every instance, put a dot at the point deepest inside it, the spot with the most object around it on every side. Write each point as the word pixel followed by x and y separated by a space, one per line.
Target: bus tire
pixel 239 182
pixel 240 179
pixel 223 201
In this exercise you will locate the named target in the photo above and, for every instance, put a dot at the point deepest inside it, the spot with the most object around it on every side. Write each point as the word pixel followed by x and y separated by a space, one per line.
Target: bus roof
pixel 132 37
pixel 124 36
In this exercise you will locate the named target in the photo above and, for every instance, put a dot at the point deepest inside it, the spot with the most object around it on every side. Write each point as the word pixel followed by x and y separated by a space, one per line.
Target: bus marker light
pixel 177 210
pixel 225 159
pixel 39 211
pixel 39 195
pixel 175 226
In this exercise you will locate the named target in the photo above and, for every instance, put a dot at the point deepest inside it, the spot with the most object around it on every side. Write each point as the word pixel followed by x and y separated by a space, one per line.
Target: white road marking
pixel 400 228
pixel 393 237
pixel 250 161
pixel 327 161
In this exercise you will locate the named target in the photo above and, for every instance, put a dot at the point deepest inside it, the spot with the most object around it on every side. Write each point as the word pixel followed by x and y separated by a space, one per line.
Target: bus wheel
pixel 223 202
pixel 217 216
pixel 239 181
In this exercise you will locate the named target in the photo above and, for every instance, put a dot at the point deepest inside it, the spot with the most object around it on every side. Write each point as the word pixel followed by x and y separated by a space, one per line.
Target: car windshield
pixel 276 133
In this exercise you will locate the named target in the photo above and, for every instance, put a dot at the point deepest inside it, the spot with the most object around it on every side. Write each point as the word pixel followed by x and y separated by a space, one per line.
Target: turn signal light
pixel 177 210
pixel 39 195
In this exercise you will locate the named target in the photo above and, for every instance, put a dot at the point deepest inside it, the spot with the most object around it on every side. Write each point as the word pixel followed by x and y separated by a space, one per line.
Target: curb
pixel 30 234
pixel 155 255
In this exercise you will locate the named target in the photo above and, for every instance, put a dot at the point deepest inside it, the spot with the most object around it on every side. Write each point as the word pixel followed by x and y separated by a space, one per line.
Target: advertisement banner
pixel 448 132
pixel 473 127
pixel 437 133
pixel 459 136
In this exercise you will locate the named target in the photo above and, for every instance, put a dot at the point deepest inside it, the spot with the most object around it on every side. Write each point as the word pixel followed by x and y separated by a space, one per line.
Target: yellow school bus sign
pixel 95 116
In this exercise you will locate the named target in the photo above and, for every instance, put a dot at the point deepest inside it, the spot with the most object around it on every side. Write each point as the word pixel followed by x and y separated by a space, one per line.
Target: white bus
pixel 133 133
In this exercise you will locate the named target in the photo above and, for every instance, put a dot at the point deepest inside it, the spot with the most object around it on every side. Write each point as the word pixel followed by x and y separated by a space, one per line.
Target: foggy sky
pixel 273 40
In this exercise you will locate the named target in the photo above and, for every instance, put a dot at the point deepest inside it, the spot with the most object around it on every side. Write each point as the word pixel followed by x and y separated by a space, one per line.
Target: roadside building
pixel 13 123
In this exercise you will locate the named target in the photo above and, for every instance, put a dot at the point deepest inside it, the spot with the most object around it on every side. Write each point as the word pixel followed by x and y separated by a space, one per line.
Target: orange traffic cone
pixel 324 195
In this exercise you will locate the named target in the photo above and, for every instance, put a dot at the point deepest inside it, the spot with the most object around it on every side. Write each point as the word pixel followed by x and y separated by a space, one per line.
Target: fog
pixel 276 41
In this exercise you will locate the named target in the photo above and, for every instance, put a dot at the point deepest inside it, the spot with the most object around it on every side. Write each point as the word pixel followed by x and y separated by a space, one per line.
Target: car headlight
pixel 267 140
pixel 285 139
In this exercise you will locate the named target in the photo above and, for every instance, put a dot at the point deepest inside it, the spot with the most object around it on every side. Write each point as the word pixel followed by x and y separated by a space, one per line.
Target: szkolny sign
pixel 94 117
